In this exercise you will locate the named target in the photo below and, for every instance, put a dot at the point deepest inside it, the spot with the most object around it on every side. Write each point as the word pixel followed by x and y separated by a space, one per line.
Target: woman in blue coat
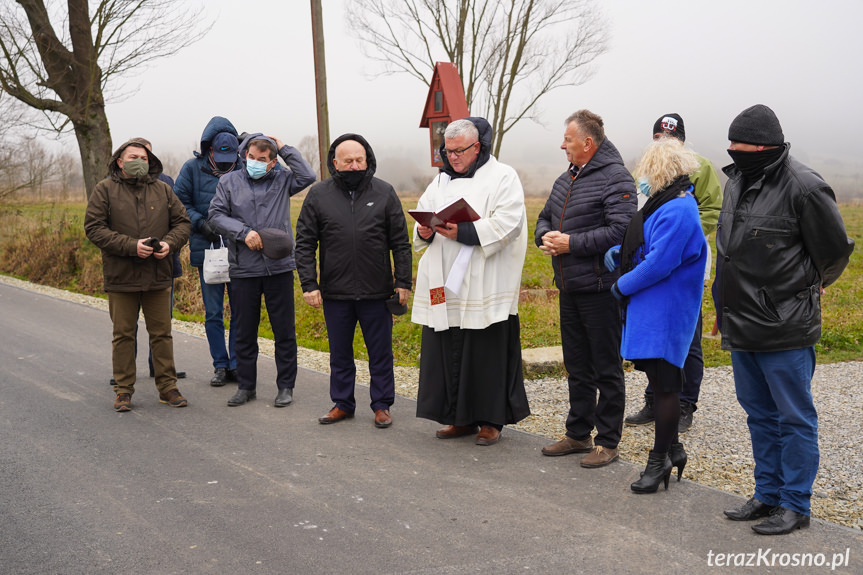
pixel 662 261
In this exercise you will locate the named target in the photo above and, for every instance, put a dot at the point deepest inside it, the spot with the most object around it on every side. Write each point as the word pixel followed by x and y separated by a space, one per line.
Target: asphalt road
pixel 255 489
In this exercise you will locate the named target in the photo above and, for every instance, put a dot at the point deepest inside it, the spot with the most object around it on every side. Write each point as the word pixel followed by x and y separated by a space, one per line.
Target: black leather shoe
pixel 752 509
pixel 284 397
pixel 781 521
pixel 219 377
pixel 242 396
pixel 685 421
pixel 181 375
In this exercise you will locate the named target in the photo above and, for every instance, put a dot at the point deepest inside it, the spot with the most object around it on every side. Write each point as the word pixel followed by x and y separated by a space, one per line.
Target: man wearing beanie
pixel 708 193
pixel 780 241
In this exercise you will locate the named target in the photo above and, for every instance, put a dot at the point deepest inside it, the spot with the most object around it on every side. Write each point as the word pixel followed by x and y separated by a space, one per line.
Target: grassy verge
pixel 45 243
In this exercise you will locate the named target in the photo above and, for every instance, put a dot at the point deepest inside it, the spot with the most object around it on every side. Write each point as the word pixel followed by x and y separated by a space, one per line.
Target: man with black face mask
pixel 357 220
pixel 196 186
pixel 780 241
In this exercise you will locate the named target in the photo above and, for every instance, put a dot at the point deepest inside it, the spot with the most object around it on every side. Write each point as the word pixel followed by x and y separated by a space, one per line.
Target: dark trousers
pixel 278 292
pixel 590 332
pixel 376 323
pixel 693 370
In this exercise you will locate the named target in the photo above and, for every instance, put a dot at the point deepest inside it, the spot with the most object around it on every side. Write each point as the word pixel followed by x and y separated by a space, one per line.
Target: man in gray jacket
pixel 252 209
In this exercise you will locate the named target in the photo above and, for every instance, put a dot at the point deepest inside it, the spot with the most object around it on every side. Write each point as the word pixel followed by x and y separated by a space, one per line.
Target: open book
pixel 455 212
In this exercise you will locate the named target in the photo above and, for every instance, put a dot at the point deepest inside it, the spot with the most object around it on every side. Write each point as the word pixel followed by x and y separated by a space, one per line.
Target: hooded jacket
pixel 123 210
pixel 779 241
pixel 594 208
pixel 242 204
pixel 355 234
pixel 196 186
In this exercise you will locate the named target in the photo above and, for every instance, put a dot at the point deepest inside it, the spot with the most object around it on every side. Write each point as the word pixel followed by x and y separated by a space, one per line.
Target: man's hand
pixel 278 142
pixel 144 251
pixel 253 240
pixel 313 298
pixel 555 243
pixel 404 294
pixel 448 230
pixel 424 232
pixel 163 252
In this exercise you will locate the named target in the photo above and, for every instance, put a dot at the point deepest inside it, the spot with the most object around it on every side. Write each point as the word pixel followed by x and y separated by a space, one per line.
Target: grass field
pixel 46 244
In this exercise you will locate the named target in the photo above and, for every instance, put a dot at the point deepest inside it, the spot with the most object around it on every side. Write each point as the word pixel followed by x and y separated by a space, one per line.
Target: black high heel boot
pixel 658 471
pixel 678 458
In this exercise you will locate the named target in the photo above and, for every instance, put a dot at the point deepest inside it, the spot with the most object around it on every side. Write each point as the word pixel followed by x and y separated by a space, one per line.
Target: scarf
pixel 215 168
pixel 633 239
pixel 753 164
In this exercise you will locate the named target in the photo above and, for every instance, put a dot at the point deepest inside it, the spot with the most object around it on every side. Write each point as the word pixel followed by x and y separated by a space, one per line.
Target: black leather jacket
pixel 779 241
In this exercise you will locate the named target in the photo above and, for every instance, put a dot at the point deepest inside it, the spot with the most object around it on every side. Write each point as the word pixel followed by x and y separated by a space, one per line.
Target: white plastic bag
pixel 216 264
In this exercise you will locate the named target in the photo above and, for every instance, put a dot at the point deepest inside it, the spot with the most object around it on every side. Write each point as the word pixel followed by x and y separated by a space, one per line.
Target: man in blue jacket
pixel 586 213
pixel 196 186
pixel 252 209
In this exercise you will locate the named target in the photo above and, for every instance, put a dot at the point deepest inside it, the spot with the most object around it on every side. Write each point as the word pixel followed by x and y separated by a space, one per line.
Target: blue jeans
pixel 376 322
pixel 214 323
pixel 774 390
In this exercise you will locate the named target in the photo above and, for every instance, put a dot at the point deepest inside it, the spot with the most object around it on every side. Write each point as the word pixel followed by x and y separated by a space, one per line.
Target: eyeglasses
pixel 460 153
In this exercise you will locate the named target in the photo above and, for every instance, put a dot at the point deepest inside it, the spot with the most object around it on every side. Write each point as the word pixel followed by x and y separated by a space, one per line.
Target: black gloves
pixel 209 232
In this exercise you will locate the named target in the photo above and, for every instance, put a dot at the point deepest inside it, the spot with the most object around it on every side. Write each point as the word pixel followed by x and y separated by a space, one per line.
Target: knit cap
pixel 671 124
pixel 757 125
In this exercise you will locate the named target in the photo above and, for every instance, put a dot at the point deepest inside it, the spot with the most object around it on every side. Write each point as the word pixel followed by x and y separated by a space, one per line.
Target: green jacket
pixel 708 193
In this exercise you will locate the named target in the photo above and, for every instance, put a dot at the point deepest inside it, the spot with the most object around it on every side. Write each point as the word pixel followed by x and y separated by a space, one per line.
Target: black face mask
pixel 225 166
pixel 352 178
pixel 753 164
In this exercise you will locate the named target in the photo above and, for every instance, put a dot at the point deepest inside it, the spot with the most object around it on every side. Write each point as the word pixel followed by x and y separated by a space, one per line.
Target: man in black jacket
pixel 357 220
pixel 586 213
pixel 780 242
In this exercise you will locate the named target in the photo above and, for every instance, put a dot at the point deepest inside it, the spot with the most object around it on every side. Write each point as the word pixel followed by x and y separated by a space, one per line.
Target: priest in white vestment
pixel 468 283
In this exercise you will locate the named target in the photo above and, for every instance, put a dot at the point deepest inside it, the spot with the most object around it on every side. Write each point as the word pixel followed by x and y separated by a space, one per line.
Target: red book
pixel 455 212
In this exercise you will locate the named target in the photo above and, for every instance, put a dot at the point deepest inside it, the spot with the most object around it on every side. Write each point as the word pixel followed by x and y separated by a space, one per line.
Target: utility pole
pixel 321 87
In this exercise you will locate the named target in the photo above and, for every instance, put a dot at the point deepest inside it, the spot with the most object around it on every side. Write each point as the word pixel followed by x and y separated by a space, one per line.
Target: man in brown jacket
pixel 137 222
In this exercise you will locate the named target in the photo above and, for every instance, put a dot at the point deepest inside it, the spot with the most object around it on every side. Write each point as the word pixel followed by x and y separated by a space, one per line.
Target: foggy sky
pixel 705 61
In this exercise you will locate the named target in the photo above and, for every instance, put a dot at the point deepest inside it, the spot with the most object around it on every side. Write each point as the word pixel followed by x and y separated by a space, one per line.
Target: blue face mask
pixel 644 187
pixel 256 169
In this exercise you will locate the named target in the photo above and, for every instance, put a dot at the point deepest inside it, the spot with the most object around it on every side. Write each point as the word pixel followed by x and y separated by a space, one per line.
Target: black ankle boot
pixel 678 458
pixel 657 471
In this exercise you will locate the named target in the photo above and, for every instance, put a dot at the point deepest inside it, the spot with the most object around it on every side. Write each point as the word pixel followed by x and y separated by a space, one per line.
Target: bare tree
pixel 66 72
pixel 66 174
pixel 509 53
pixel 171 163
pixel 308 147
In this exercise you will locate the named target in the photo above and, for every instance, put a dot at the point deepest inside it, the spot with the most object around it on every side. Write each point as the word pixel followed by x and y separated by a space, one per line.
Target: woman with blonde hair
pixel 662 261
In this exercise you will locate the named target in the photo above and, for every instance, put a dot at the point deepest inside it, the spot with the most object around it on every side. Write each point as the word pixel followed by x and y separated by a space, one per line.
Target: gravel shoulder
pixel 718 443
